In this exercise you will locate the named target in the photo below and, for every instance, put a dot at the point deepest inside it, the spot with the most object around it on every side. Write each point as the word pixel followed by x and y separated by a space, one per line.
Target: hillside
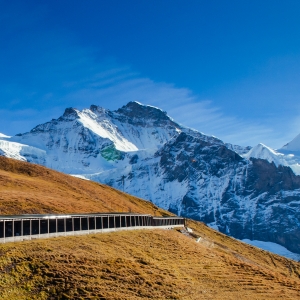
pixel 141 264
pixel 28 188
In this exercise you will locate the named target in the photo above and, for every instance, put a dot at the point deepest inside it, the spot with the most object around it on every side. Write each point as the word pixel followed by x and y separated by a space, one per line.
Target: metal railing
pixel 27 227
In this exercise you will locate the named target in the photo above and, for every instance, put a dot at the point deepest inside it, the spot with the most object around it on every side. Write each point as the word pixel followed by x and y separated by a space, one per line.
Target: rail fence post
pixel 13 230
pixel 56 227
pixel 73 225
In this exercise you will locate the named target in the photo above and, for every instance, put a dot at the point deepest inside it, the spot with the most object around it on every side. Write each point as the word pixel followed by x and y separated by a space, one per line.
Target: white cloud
pixel 114 89
pixel 55 73
pixel 115 86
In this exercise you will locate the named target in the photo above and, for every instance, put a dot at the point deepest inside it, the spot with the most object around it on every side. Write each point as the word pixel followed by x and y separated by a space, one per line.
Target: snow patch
pixel 264 152
pixel 79 176
pixel 273 247
pixel 22 152
pixel 294 145
pixel 105 129
pixel 3 135
pixel 279 157
pixel 213 225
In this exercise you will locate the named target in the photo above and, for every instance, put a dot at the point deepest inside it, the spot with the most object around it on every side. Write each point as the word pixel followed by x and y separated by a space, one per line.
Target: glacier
pixel 273 247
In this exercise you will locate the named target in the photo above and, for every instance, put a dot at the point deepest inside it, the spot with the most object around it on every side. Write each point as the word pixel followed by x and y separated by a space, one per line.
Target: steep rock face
pixel 70 146
pixel 141 150
pixel 146 127
pixel 204 180
pixel 277 194
pixel 269 178
pixel 142 115
pixel 92 140
pixel 238 149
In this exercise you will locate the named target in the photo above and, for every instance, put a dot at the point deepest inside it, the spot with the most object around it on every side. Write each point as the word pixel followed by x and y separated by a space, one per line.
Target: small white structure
pixel 190 230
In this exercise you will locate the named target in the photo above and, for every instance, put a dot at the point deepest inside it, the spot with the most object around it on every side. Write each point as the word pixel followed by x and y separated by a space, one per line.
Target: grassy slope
pixel 28 188
pixel 138 264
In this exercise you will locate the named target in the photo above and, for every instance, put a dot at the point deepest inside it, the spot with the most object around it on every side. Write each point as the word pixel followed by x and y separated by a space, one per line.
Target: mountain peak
pixel 135 109
pixel 70 113
pixel 293 145
pixel 97 109
pixel 262 151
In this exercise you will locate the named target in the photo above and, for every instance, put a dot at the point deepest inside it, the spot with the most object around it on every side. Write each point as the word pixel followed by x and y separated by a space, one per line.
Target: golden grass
pixel 141 264
pixel 28 188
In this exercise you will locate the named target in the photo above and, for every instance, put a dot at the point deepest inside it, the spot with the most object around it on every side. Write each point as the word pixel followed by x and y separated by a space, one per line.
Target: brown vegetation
pixel 28 188
pixel 138 264
pixel 156 264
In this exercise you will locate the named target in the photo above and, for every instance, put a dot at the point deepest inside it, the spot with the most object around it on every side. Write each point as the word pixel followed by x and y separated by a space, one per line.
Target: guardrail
pixel 27 227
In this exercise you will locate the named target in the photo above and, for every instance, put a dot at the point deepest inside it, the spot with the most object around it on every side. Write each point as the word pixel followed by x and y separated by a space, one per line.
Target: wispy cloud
pixel 55 72
pixel 83 82
pixel 180 103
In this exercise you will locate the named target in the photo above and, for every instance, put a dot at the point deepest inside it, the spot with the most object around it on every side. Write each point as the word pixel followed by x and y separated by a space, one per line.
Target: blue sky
pixel 227 68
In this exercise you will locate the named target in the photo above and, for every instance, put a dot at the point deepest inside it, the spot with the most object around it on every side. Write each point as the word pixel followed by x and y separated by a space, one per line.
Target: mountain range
pixel 248 193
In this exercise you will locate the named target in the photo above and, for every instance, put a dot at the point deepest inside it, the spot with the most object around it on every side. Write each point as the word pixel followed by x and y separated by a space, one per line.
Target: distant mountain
pixel 264 152
pixel 288 155
pixel 249 193
pixel 93 140
pixel 294 145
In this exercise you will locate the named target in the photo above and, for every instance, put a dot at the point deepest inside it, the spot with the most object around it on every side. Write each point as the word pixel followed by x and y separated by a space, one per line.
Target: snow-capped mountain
pixel 92 140
pixel 206 181
pixel 264 152
pixel 293 146
pixel 247 193
pixel 283 156
pixel 21 151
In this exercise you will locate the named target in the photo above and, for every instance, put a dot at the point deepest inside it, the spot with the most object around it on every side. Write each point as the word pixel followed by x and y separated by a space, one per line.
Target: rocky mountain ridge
pixel 240 191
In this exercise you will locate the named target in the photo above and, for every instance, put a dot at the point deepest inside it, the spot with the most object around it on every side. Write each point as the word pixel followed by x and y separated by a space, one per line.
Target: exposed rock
pixel 141 149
